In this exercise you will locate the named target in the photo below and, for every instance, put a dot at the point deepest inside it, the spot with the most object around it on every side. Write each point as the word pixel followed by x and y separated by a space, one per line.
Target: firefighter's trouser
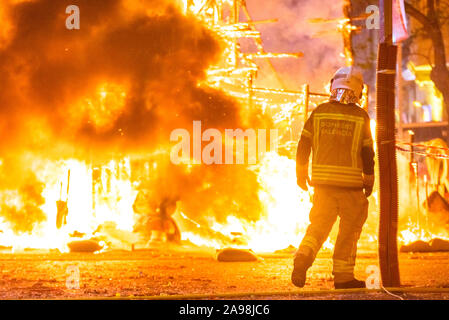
pixel 351 205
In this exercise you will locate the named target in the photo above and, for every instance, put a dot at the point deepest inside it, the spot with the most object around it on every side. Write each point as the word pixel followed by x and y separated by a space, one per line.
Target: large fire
pixel 88 117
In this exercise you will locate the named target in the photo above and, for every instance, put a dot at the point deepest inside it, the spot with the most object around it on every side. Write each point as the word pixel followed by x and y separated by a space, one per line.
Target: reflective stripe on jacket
pixel 337 133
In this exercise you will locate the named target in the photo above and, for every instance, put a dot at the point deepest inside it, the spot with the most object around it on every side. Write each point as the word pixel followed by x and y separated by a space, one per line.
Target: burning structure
pixel 86 157
pixel 101 103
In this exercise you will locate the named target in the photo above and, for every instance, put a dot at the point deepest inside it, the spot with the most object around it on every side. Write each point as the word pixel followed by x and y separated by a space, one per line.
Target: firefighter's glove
pixel 368 183
pixel 302 177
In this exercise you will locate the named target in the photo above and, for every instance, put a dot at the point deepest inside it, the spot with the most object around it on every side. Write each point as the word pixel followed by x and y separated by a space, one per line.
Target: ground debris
pixel 44 276
pixel 236 255
pixel 84 246
pixel 434 245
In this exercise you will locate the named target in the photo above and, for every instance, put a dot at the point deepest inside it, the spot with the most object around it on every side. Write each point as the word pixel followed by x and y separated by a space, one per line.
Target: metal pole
pixel 427 199
pixel 418 211
pixel 400 98
pixel 385 135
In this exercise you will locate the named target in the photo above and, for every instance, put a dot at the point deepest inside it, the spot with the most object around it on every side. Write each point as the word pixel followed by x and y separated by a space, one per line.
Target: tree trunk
pixel 440 73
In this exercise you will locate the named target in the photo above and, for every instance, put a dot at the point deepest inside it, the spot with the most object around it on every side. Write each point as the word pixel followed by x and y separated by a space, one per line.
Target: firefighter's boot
pixel 350 284
pixel 300 265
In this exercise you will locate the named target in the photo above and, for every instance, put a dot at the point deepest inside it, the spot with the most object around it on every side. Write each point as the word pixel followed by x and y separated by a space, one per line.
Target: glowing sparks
pixel 106 106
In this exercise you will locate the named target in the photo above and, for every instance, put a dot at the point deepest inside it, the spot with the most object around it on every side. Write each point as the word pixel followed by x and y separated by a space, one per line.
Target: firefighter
pixel 338 136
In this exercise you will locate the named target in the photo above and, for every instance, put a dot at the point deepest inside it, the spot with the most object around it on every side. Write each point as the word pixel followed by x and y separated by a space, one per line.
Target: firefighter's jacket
pixel 339 137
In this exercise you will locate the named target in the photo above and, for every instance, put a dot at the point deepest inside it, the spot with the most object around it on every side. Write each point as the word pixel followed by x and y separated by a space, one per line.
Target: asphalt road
pixel 165 272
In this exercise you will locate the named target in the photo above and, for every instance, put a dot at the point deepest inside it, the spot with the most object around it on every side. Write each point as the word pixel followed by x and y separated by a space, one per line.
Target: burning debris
pixel 100 102
pixel 61 206
pixel 434 245
pixel 99 91
pixel 236 255
pixel 157 217
pixel 438 212
pixel 84 246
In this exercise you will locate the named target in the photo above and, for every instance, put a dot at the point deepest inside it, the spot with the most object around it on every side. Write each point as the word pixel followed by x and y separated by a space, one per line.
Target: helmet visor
pixel 344 96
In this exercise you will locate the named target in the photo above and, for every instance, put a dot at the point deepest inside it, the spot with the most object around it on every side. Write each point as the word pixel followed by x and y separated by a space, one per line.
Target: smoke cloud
pixel 120 83
pixel 116 87
pixel 320 42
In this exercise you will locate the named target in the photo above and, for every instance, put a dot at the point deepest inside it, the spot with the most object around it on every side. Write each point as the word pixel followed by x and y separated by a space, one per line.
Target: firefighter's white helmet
pixel 348 78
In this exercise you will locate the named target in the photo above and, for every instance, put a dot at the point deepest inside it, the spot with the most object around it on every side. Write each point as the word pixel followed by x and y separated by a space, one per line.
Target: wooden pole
pixel 306 102
pixel 250 90
pixel 235 15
